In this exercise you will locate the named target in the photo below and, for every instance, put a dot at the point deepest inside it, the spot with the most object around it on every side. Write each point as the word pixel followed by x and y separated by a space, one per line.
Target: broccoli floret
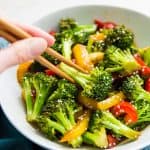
pixel 106 119
pixel 67 23
pixel 132 87
pixel 37 67
pixel 116 60
pixel 68 37
pixel 49 127
pixel 119 36
pixel 43 86
pixel 96 134
pixel 65 90
pixel 63 112
pixel 95 85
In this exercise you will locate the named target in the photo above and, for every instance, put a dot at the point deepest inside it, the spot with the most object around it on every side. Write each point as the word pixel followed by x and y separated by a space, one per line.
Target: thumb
pixel 21 51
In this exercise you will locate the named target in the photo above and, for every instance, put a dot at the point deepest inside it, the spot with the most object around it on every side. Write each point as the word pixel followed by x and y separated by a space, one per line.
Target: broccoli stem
pixel 38 105
pixel 110 122
pixel 63 120
pixel 79 77
pixel 98 138
pixel 29 105
pixel 27 90
pixel 85 28
pixel 55 125
pixel 66 48
pixel 76 142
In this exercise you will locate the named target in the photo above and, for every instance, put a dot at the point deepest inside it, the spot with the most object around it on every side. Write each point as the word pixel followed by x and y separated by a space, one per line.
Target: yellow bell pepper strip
pixel 102 105
pixel 98 37
pixel 96 57
pixel 22 69
pixel 79 128
pixel 82 57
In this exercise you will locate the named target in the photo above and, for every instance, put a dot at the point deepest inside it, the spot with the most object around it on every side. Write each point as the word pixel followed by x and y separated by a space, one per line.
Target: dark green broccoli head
pixel 95 85
pixel 132 87
pixel 37 67
pixel 120 36
pixel 116 60
pixel 67 89
pixel 44 84
pixel 99 84
pixel 67 23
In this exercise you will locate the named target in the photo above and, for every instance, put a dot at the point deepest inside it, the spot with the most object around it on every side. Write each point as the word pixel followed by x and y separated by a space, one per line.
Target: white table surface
pixel 28 11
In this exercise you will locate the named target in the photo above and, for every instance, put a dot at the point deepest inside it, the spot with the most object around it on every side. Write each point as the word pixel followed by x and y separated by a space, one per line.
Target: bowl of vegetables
pixel 106 107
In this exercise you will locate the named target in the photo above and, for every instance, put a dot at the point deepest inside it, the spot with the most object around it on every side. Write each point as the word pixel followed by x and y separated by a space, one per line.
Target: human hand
pixel 27 49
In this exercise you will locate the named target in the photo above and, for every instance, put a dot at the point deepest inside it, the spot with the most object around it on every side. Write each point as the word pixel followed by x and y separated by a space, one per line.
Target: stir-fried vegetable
pixel 108 104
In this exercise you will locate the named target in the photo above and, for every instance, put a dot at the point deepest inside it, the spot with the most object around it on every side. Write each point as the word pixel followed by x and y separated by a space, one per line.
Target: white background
pixel 27 11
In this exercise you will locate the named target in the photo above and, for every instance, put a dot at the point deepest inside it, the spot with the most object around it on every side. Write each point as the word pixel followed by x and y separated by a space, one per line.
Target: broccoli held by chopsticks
pixel 116 60
pixel 133 89
pixel 43 86
pixel 95 85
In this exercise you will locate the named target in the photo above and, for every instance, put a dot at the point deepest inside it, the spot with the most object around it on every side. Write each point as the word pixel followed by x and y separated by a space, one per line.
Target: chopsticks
pixel 7 28
pixel 7 36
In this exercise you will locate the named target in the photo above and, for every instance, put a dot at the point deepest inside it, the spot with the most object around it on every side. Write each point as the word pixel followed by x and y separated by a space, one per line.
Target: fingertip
pixel 50 40
pixel 38 45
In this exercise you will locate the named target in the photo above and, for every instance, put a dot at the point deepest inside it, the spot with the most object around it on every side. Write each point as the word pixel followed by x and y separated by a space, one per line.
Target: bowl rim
pixel 39 143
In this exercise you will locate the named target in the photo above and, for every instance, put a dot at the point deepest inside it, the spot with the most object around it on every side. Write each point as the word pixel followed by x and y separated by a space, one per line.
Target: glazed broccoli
pixel 43 86
pixel 116 60
pixel 95 85
pixel 67 23
pixel 67 38
pixel 106 119
pixel 96 134
pixel 62 111
pixel 133 89
pixel 49 127
pixel 65 90
pixel 119 36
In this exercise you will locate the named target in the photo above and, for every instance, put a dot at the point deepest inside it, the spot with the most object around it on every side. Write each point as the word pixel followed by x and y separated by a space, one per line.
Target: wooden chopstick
pixel 22 34
pixel 53 53
pixel 49 65
pixel 7 36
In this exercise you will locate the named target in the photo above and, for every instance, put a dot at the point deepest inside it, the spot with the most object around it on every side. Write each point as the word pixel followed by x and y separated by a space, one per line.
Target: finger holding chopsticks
pixel 19 33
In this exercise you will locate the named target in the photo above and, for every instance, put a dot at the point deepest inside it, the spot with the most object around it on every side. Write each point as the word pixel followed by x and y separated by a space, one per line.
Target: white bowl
pixel 10 92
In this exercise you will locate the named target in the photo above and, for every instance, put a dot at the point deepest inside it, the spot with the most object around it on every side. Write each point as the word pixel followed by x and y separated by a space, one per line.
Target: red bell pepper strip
pixel 128 109
pixel 145 70
pixel 147 85
pixel 112 141
pixel 50 72
pixel 106 25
